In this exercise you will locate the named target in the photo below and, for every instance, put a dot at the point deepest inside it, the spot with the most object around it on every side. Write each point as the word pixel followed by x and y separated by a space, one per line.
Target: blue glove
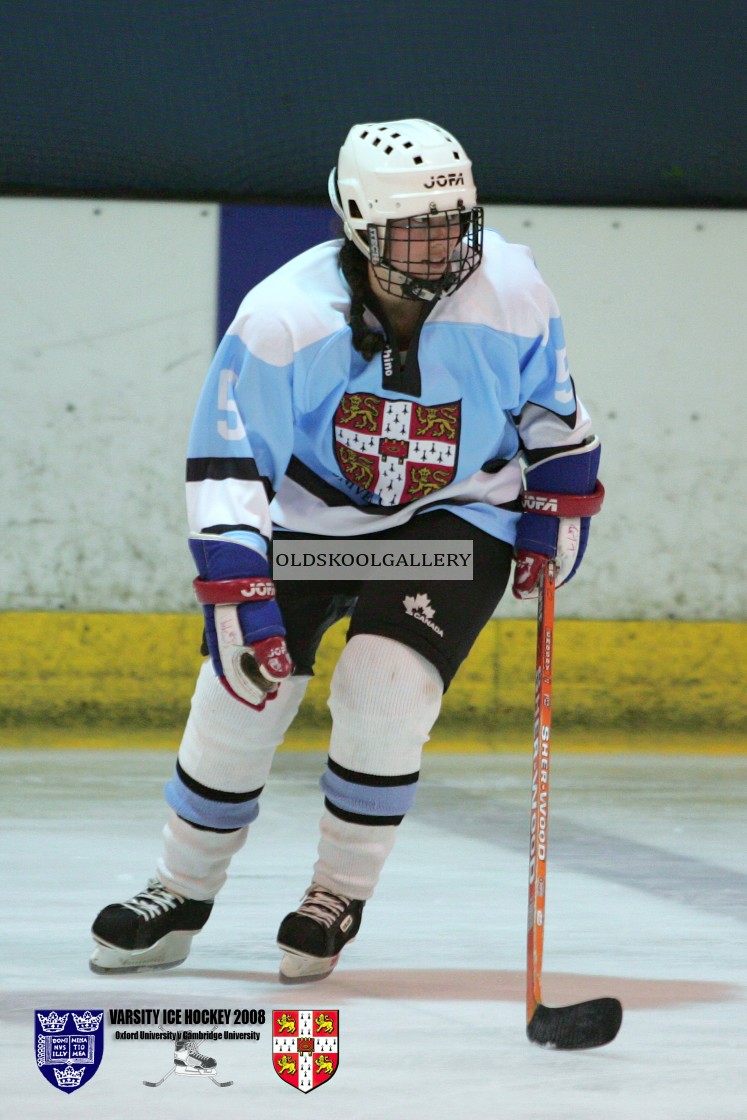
pixel 562 493
pixel 243 626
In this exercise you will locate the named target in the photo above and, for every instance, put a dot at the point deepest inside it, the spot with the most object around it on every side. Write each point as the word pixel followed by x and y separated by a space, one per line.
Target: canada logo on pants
pixel 396 449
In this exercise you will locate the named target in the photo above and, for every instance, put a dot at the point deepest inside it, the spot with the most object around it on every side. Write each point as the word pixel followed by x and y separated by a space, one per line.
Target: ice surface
pixel 646 902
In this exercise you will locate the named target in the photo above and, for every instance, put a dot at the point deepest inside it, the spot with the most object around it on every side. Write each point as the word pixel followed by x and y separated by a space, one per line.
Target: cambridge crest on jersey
pixel 69 1046
pixel 305 1047
pixel 398 450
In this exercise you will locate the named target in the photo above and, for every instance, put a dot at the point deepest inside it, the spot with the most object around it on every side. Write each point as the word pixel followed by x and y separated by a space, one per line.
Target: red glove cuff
pixel 563 505
pixel 234 591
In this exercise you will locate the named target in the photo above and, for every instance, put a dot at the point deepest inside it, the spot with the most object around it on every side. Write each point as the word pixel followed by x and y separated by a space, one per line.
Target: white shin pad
pixel 194 863
pixel 229 746
pixel 384 699
pixel 226 746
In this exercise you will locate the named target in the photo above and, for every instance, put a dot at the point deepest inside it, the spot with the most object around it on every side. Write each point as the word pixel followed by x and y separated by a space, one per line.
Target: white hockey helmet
pixel 402 180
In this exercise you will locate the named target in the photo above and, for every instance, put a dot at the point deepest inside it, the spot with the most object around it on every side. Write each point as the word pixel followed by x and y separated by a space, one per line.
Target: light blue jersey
pixel 296 430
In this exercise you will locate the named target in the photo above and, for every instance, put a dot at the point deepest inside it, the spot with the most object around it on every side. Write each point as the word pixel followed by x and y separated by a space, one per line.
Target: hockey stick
pixel 155 1084
pixel 580 1026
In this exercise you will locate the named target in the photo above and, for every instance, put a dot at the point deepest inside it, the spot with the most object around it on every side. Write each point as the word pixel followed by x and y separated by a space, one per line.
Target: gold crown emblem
pixel 87 1022
pixel 69 1077
pixel 53 1023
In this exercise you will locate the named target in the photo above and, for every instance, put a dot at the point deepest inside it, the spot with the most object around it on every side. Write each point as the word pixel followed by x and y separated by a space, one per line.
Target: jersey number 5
pixel 231 428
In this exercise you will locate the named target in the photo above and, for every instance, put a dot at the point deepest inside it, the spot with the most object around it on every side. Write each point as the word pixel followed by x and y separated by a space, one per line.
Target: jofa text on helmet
pixel 451 179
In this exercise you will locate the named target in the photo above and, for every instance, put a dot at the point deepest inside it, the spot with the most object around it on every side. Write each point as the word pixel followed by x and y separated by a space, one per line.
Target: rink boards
pixel 97 678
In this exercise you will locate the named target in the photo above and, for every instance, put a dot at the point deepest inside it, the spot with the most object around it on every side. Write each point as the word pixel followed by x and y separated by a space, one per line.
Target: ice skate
pixel 313 936
pixel 152 930
pixel 188 1059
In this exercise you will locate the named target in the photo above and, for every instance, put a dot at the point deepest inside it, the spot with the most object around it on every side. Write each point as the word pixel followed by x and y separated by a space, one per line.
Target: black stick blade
pixel 581 1026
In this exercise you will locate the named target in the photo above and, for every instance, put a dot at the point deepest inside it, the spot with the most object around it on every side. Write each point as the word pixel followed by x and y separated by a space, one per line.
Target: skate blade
pixel 169 952
pixel 300 968
pixel 180 1071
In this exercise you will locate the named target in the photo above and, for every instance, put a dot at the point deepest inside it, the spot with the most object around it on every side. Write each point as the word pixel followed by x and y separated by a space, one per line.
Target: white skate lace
pixel 323 906
pixel 191 1048
pixel 153 902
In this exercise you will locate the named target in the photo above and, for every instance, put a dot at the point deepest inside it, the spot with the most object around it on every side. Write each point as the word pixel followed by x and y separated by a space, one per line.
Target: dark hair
pixel 354 267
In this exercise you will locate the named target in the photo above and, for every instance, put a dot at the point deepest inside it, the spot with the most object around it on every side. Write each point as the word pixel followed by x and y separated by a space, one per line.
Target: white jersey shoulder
pixel 506 293
pixel 299 304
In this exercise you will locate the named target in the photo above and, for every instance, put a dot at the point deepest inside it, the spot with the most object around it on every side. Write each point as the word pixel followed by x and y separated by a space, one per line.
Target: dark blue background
pixel 629 102
pixel 255 240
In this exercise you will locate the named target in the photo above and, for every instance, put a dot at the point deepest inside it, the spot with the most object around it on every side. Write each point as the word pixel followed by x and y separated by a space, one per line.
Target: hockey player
pixel 407 381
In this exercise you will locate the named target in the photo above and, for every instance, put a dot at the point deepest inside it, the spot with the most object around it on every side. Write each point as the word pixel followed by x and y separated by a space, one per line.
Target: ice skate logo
pixel 419 607
pixel 305 1047
pixel 189 1062
pixel 68 1059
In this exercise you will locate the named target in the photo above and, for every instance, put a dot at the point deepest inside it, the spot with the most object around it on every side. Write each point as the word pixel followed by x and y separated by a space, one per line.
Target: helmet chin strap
pixel 401 286
pixel 441 288
pixel 409 287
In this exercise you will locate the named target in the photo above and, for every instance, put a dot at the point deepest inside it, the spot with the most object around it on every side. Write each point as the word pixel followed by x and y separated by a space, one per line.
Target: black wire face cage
pixel 427 255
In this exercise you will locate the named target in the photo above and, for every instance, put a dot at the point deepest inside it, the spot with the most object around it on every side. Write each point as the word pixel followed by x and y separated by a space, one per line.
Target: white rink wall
pixel 107 326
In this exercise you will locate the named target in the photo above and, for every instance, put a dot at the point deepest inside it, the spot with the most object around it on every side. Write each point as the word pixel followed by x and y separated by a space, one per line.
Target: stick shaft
pixel 540 786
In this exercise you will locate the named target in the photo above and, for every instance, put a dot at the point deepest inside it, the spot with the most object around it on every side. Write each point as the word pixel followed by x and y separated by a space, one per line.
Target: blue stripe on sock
pixel 371 801
pixel 208 813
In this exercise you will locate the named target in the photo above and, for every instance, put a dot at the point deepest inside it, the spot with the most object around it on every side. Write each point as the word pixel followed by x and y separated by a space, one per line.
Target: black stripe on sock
pixel 360 818
pixel 214 794
pixel 362 779
pixel 204 827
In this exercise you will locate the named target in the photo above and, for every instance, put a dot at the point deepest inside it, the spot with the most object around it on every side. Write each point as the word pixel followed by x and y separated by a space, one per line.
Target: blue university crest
pixel 69 1046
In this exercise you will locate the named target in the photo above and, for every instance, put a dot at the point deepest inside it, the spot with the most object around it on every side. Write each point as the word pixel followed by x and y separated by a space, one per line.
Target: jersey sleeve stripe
pixel 224 529
pixel 219 468
pixel 228 501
